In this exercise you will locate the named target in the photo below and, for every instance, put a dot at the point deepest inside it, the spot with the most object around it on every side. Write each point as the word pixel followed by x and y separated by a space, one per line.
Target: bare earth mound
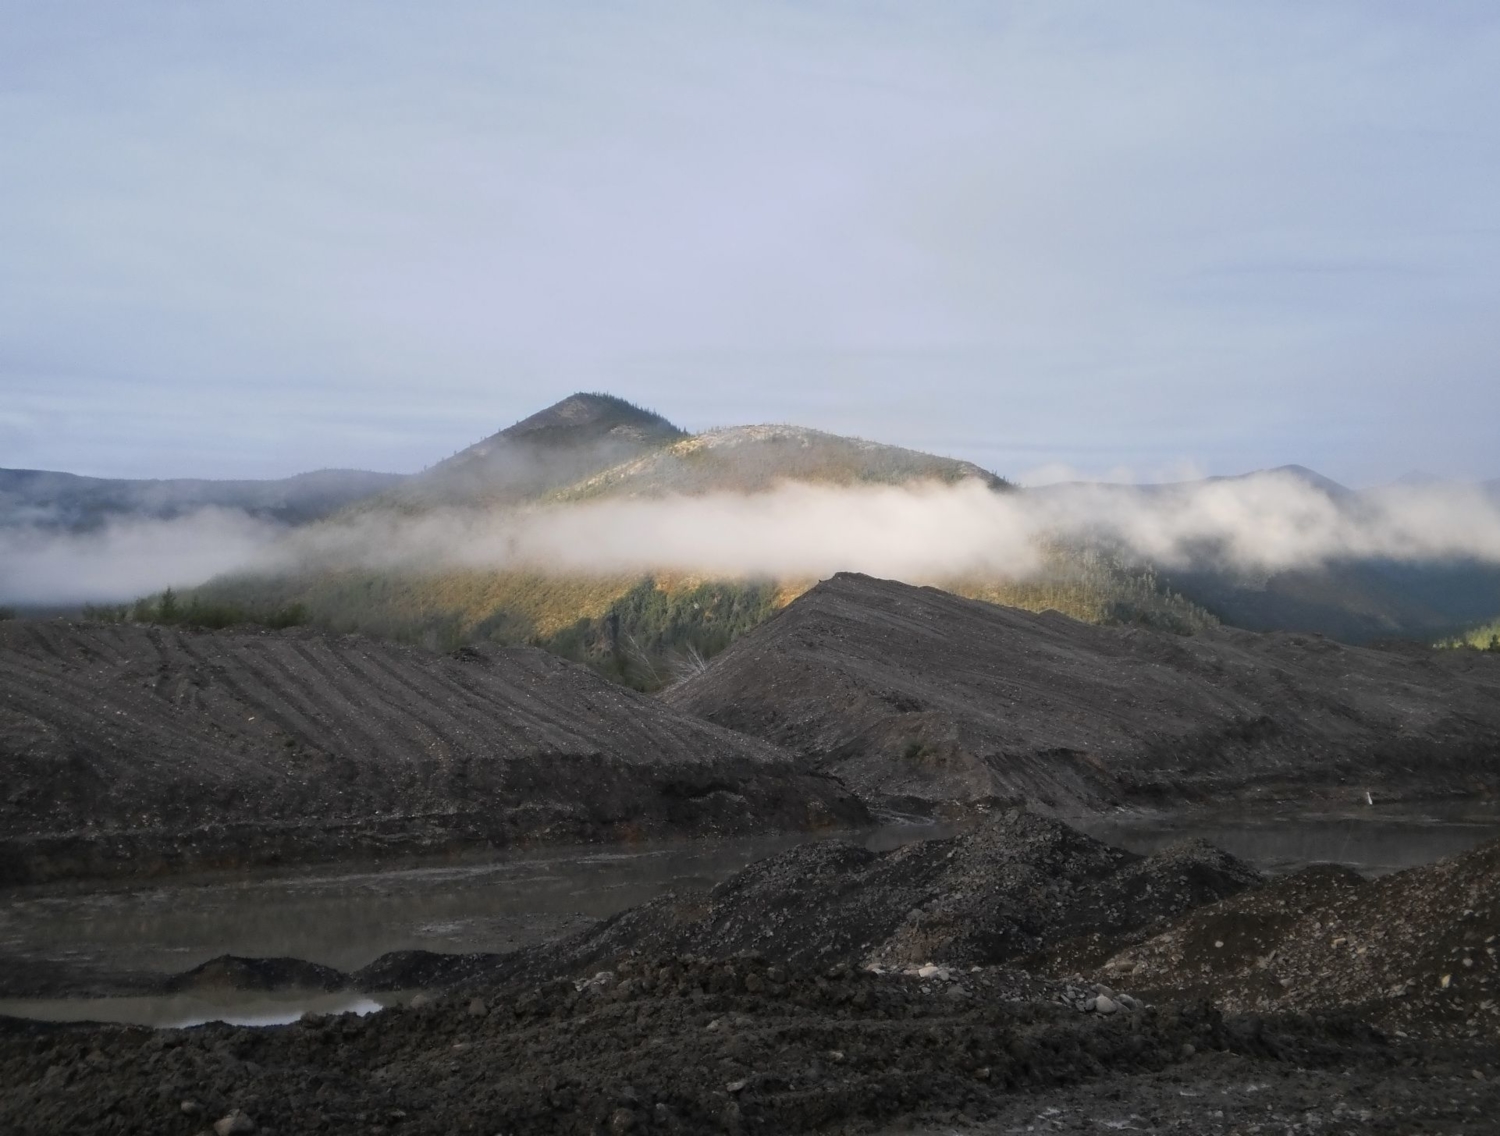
pixel 919 700
pixel 128 748
pixel 1416 952
pixel 1016 884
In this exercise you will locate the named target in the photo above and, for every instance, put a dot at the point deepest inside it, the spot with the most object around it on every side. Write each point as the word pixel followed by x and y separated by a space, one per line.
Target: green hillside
pixel 644 630
pixel 640 629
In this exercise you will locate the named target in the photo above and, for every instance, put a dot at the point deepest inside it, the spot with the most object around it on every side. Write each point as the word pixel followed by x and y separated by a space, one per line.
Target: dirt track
pixel 919 700
pixel 131 749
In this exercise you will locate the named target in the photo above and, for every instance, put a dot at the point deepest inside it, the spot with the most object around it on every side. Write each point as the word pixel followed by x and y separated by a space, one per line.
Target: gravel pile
pixel 670 1045
pixel 1415 952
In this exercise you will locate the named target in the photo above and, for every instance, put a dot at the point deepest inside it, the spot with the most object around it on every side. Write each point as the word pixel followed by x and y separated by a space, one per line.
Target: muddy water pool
pixel 58 944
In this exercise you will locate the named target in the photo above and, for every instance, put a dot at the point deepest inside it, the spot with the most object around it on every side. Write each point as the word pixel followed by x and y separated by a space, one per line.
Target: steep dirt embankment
pixel 921 700
pixel 135 749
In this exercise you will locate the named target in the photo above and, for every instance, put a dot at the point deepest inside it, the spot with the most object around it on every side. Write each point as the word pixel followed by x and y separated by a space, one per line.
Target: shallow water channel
pixel 345 917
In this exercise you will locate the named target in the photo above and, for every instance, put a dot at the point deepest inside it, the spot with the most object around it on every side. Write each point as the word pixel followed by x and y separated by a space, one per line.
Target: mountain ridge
pixel 573 438
pixel 53 498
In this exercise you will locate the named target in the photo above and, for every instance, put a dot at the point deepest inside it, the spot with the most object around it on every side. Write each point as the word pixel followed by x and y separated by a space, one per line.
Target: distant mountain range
pixel 1309 477
pixel 646 629
pixel 38 497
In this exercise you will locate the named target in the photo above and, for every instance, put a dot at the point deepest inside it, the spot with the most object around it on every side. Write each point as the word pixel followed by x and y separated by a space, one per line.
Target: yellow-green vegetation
pixel 1094 586
pixel 644 630
pixel 1485 638
pixel 640 630
pixel 196 611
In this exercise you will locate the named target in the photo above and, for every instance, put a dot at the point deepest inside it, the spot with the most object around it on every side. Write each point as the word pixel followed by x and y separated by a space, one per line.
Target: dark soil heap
pixel 922 701
pixel 133 749
pixel 662 1022
pixel 1415 952
pixel 667 1045
pixel 1016 884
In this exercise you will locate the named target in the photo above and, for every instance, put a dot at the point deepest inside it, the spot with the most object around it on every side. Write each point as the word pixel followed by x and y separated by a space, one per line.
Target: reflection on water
pixel 346 919
pixel 178 1011
pixel 500 902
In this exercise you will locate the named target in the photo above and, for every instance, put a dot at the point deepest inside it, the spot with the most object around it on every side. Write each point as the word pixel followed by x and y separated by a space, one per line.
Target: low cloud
pixel 126 558
pixel 921 533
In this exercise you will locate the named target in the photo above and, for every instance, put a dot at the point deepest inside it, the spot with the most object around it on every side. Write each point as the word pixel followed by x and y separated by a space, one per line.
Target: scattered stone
pixel 235 1123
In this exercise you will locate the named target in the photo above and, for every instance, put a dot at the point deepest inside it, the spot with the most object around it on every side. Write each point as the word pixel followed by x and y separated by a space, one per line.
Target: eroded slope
pixel 921 700
pixel 127 747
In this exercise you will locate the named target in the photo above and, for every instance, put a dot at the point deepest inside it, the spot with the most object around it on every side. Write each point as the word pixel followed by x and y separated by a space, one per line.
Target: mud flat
pixel 924 702
pixel 135 750
pixel 929 986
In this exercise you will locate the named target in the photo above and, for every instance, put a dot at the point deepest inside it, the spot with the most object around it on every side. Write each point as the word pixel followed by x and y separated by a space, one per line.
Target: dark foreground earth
pixel 1020 977
pixel 743 1045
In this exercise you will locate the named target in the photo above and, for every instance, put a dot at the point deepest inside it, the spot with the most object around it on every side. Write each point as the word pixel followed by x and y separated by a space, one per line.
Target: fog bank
pixel 921 533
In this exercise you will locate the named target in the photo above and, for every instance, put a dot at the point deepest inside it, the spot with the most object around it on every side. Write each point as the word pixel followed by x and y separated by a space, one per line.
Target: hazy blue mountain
pixel 48 499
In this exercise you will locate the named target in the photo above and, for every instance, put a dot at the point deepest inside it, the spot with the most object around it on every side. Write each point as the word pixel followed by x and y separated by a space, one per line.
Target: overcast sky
pixel 247 239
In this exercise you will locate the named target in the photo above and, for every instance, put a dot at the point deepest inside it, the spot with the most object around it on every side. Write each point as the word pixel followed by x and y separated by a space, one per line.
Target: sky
pixel 1058 239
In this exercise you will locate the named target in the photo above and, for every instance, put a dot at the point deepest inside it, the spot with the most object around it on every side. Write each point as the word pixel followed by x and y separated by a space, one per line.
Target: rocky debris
pixel 1014 884
pixel 673 1045
pixel 921 701
pixel 1414 952
pixel 674 1021
pixel 128 749
pixel 1225 1094
pixel 235 1123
